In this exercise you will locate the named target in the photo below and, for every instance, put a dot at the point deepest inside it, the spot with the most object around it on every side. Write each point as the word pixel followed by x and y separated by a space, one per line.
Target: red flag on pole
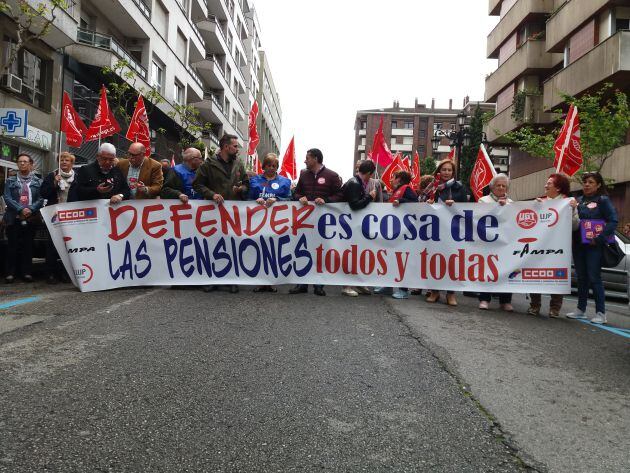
pixel 396 165
pixel 173 160
pixel 482 173
pixel 104 123
pixel 256 165
pixel 415 171
pixel 289 166
pixel 380 151
pixel 568 146
pixel 139 127
pixel 71 123
pixel 254 139
pixel 451 154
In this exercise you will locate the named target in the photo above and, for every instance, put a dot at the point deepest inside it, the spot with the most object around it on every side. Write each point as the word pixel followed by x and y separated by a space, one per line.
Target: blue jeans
pixel 588 266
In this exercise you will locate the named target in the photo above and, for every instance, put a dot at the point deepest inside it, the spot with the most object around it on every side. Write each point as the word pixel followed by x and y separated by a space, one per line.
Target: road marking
pixel 608 304
pixel 622 332
pixel 6 305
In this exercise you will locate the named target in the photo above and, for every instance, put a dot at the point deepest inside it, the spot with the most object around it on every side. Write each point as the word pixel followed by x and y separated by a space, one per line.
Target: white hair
pixel 107 148
pixel 499 177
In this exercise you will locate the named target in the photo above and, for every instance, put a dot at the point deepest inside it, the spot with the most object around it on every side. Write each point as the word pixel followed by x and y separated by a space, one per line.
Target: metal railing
pixel 144 8
pixel 215 100
pixel 194 75
pixel 215 60
pixel 107 42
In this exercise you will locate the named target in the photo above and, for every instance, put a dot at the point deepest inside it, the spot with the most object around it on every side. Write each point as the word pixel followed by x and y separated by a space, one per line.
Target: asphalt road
pixel 179 380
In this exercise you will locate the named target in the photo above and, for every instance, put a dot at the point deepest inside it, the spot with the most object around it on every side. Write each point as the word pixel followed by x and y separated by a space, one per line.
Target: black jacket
pixel 90 176
pixel 354 193
pixel 456 192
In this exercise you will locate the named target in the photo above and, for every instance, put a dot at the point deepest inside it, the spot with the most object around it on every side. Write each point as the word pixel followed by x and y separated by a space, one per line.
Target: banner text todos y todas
pixel 522 247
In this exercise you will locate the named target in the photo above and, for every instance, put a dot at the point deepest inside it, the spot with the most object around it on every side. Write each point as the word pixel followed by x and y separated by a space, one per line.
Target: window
pixel 178 93
pixel 421 150
pixel 363 140
pixel 157 76
pixel 409 125
pixel 622 24
pixel 160 19
pixel 364 125
pixel 437 126
pixel 394 124
pixel 422 133
pixel 407 140
pixel 33 71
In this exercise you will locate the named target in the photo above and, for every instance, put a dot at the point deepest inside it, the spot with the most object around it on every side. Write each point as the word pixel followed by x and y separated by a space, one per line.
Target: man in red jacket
pixel 320 185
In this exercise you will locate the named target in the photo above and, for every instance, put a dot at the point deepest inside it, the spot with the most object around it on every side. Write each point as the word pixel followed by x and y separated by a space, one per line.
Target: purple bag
pixel 591 228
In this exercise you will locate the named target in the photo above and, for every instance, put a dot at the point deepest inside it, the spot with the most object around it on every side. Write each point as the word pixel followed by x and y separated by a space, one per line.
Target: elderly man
pixel 320 185
pixel 178 185
pixel 144 175
pixel 221 178
pixel 166 167
pixel 101 179
pixel 23 200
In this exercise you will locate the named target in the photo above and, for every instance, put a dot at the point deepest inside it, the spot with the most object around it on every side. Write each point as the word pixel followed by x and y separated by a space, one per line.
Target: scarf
pixel 398 193
pixel 25 191
pixel 66 179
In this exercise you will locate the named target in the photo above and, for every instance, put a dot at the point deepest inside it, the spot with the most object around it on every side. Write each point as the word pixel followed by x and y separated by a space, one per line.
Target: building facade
pixel 410 129
pixel 195 53
pixel 545 48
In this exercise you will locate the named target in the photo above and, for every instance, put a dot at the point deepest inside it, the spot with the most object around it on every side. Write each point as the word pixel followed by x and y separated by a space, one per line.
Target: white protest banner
pixel 520 247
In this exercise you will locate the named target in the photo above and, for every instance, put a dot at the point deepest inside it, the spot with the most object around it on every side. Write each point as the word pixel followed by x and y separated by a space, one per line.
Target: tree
pixel 32 23
pixel 191 126
pixel 604 122
pixel 428 166
pixel 469 153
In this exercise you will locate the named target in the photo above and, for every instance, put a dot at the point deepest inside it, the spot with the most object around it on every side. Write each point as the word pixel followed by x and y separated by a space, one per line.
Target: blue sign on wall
pixel 13 121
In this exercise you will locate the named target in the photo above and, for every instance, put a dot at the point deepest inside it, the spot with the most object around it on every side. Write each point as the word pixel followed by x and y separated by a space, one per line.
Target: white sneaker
pixel 600 318
pixel 578 314
pixel 348 291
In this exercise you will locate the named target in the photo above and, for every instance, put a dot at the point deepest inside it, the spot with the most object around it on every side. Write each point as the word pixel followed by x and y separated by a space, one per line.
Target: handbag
pixel 612 255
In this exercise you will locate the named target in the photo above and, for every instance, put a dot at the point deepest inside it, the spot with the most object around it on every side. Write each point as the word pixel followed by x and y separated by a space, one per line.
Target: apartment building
pixel 544 48
pixel 411 129
pixel 192 52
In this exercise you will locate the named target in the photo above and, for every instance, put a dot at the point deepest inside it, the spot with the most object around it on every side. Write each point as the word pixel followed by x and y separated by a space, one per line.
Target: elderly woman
pixel 593 205
pixel 266 189
pixel 556 187
pixel 499 186
pixel 55 189
pixel 449 190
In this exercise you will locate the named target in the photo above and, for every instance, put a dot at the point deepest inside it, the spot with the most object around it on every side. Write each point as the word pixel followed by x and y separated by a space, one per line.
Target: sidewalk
pixel 559 387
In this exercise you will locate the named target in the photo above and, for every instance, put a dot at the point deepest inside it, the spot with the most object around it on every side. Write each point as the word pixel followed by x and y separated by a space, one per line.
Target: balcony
pixel 607 62
pixel 195 85
pixel 522 12
pixel 494 7
pixel 529 59
pixel 110 51
pixel 400 147
pixel 568 17
pixel 213 35
pixel 361 148
pixel 211 108
pixel 503 122
pixel 144 8
pixel 362 132
pixel 218 9
pixel 402 131
pixel 132 18
pixel 63 29
pixel 212 72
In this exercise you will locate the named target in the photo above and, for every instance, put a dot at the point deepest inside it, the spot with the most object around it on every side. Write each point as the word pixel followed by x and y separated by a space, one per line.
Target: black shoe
pixel 9 279
pixel 233 289
pixel 209 288
pixel 52 280
pixel 299 289
pixel 319 291
pixel 27 278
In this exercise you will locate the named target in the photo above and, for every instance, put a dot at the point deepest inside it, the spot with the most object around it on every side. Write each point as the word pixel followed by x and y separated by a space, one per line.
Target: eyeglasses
pixel 136 154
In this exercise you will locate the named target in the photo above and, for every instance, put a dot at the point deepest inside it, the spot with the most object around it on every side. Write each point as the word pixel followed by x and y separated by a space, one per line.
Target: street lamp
pixel 460 138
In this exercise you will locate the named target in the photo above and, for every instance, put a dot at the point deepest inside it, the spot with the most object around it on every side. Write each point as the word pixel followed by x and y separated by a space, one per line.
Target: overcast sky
pixel 330 58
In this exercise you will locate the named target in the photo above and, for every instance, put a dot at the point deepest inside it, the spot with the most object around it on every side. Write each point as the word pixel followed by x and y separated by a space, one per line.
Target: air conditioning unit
pixel 11 82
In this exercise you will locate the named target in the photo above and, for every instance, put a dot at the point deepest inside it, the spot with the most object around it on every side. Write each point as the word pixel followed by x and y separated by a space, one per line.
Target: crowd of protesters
pixel 224 177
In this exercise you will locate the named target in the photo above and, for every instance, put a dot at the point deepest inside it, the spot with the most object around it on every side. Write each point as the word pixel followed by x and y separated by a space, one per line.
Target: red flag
pixel 482 173
pixel 289 166
pixel 173 160
pixel 104 123
pixel 380 151
pixel 415 171
pixel 254 139
pixel 71 123
pixel 568 147
pixel 256 164
pixel 451 154
pixel 139 127
pixel 396 165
